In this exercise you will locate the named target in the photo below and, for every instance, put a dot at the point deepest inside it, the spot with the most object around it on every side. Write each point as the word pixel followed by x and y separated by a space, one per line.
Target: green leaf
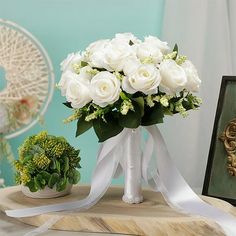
pixel 66 165
pixel 83 126
pixel 37 182
pixel 74 176
pixel 53 180
pixel 46 176
pixel 123 95
pixel 36 149
pixel 131 43
pixel 32 187
pixel 67 104
pixel 26 159
pixel 58 166
pixel 83 63
pixel 153 115
pixel 140 102
pixel 188 105
pixel 132 119
pixel 176 49
pixel 167 111
pixel 137 95
pixel 105 130
pixel 99 69
pixel 53 164
pixel 61 184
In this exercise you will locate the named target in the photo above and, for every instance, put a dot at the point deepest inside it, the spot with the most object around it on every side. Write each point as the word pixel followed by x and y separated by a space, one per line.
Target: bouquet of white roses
pixel 125 82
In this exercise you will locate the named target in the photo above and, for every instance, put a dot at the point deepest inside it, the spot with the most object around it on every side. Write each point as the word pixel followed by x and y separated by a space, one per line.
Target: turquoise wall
pixel 64 26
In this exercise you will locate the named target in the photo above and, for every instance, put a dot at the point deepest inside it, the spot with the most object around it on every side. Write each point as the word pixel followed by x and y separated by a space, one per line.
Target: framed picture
pixel 220 177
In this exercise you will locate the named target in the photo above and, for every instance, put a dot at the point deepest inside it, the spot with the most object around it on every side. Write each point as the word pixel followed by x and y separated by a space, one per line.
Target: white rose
pixel 73 58
pixel 193 81
pixel 84 76
pixel 147 50
pixel 97 60
pixel 157 43
pixel 116 54
pixel 66 77
pixel 145 79
pixel 127 37
pixel 97 46
pixel 104 88
pixel 95 53
pixel 131 65
pixel 77 93
pixel 173 77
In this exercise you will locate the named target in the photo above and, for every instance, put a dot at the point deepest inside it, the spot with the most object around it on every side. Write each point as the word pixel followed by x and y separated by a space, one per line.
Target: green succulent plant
pixel 47 160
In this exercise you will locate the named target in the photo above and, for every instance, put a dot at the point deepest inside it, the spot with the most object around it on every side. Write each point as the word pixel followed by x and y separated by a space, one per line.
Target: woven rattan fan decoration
pixel 29 80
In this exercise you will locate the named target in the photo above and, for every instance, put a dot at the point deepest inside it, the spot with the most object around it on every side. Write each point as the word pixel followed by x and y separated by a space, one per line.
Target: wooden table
pixel 12 227
pixel 152 217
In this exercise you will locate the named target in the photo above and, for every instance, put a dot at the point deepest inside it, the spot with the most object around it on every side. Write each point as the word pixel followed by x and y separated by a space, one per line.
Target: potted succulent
pixel 47 166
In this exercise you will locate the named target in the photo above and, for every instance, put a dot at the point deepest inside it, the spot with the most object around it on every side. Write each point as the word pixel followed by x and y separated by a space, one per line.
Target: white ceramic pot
pixel 46 192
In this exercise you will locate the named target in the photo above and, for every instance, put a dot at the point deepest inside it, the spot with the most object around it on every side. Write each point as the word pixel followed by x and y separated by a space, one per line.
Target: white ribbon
pixel 44 228
pixel 165 178
pixel 174 187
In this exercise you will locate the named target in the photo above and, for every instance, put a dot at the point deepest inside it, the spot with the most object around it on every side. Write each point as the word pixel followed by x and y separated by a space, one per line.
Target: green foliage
pixel 153 115
pixel 83 63
pixel 107 129
pixel 132 119
pixel 46 160
pixel 131 111
pixel 83 126
pixel 67 104
pixel 74 176
pixel 54 178
pixel 176 49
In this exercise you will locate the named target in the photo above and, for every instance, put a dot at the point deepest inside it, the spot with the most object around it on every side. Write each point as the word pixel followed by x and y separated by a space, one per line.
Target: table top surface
pixel 110 215
pixel 12 227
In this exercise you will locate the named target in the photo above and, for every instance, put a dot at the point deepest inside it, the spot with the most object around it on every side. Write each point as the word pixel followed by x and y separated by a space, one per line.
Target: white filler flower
pixel 104 88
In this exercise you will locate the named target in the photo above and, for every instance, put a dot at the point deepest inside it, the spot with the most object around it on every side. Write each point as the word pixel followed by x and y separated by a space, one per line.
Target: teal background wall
pixel 64 26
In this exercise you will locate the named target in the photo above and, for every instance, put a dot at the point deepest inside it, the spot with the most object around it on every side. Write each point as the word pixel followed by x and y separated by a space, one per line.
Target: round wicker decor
pixel 27 88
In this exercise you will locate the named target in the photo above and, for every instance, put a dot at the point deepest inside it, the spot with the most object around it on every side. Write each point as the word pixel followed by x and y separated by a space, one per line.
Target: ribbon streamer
pixel 174 188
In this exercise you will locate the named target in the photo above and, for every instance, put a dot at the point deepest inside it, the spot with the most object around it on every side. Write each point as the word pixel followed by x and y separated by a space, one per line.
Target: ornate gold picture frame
pixel 220 177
